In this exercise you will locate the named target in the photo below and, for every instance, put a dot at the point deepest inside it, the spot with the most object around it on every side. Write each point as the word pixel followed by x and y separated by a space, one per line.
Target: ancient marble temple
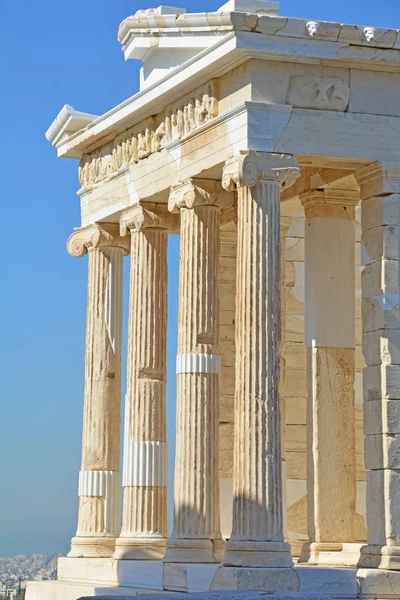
pixel 271 145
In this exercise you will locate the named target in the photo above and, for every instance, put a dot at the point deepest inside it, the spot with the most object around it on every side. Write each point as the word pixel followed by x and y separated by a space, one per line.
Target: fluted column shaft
pixel 284 227
pixel 144 522
pixel 196 491
pixel 257 535
pixel 99 478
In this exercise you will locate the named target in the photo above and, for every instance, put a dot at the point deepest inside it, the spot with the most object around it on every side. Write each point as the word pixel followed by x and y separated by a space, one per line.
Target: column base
pixel 380 557
pixel 331 554
pixel 189 551
pixel 296 546
pixel 92 547
pixel 218 549
pixel 257 554
pixel 143 548
pixel 259 578
pixel 376 584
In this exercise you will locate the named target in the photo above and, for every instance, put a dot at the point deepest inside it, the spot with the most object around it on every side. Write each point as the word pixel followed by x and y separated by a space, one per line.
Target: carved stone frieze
pixel 151 135
pixel 323 93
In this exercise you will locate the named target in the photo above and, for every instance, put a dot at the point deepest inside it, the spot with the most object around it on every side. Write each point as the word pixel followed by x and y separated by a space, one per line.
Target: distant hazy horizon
pixel 13 545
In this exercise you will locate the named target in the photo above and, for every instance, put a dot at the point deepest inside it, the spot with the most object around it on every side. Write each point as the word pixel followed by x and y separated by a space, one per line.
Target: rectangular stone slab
pixel 226 595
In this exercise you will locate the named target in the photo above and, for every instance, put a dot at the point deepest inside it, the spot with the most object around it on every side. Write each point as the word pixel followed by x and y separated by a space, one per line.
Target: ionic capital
pixel 250 167
pixel 378 179
pixel 198 192
pixel 147 216
pixel 330 203
pixel 105 235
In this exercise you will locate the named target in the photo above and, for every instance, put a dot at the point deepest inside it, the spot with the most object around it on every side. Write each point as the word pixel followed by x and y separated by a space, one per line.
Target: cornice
pixel 67 122
pixel 272 38
pixel 147 23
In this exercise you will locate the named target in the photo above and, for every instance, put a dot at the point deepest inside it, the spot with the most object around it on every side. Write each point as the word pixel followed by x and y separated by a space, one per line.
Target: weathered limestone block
pixel 294 248
pixel 227 408
pixel 382 347
pixel 382 451
pixel 295 328
pixel 237 595
pixel 375 584
pixel 382 382
pixel 332 503
pixel 296 411
pixel 267 580
pixel 323 93
pixel 382 416
pixel 296 465
pixel 381 241
pixel 295 356
pixel 381 278
pixel 297 518
pixel 380 211
pixel 296 438
pixel 294 300
pixel 382 312
pixel 383 498
pixel 295 384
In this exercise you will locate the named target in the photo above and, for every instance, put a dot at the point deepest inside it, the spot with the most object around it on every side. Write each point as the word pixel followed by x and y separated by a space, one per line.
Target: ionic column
pixel 380 216
pixel 99 478
pixel 285 223
pixel 196 536
pixel 330 343
pixel 257 533
pixel 144 519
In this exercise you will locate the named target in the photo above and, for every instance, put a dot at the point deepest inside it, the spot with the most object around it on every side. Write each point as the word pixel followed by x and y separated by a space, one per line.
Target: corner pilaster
pixel 380 218
pixel 330 343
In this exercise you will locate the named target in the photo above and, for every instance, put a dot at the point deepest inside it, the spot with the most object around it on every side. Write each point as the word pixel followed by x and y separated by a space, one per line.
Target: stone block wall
pixel 227 292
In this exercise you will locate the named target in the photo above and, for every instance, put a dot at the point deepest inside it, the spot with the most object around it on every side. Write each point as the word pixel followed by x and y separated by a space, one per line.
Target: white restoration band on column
pixel 107 485
pixel 197 363
pixel 113 304
pixel 145 463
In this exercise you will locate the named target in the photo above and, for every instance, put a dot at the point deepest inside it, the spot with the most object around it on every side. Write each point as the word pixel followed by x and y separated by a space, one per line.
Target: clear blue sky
pixel 54 53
